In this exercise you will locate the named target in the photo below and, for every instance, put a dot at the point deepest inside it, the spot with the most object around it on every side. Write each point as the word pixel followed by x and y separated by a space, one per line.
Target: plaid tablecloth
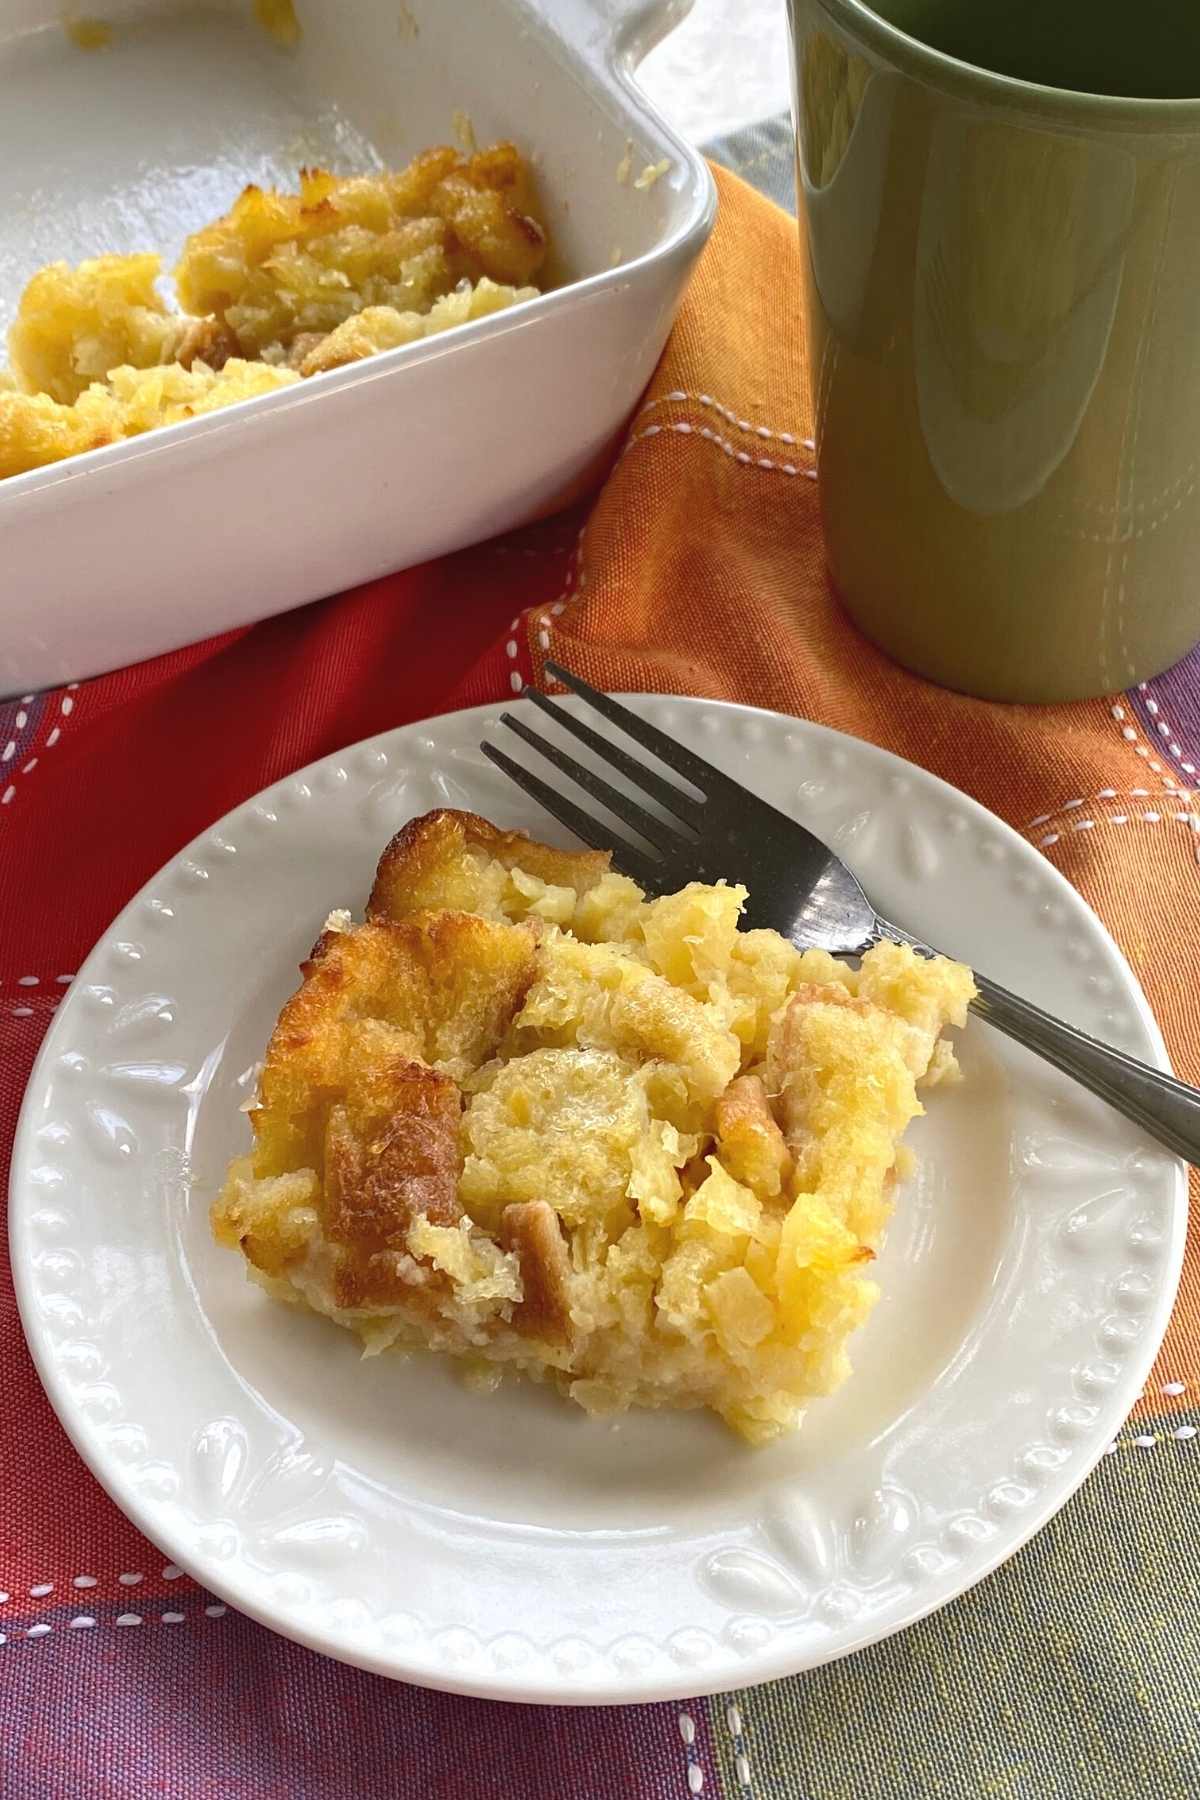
pixel 1073 1672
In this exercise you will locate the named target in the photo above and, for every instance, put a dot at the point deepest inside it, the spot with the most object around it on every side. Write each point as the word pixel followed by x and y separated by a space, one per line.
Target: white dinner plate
pixel 508 1545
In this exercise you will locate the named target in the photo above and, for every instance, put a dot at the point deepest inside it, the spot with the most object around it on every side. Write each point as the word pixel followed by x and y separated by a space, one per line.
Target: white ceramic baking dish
pixel 129 551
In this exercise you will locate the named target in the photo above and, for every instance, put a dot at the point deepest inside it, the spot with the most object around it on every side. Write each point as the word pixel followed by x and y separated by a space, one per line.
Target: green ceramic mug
pixel 1004 331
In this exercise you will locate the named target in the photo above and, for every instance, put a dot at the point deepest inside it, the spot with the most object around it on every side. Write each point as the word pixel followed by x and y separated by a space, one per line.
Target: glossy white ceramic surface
pixel 129 551
pixel 508 1545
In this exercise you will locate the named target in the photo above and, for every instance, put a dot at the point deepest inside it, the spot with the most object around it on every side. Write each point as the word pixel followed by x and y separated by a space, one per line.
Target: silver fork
pixel 798 887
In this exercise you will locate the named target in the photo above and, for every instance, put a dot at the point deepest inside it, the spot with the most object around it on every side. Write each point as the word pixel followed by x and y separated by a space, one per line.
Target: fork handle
pixel 1169 1110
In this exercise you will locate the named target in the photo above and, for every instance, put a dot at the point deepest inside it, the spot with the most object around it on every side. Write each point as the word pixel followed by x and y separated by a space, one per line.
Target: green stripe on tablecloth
pixel 1073 1673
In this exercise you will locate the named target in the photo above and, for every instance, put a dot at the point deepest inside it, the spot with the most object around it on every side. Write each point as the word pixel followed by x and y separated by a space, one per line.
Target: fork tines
pixel 660 839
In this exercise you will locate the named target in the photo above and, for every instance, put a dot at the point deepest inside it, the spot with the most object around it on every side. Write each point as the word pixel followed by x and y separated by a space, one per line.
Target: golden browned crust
pixel 489 208
pixel 359 1085
pixel 434 990
pixel 437 860
pixel 277 265
pixel 531 1228
pixel 384 1173
pixel 404 1166
pixel 749 1141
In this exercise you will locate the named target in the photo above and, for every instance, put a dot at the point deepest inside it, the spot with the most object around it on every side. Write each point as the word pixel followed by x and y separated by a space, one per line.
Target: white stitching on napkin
pixel 685 429
pixel 576 578
pixel 741 1752
pixel 1164 729
pixel 32 981
pixel 1149 817
pixel 695 1774
pixel 1150 1440
pixel 126 1621
pixel 1102 794
pixel 679 395
pixel 1131 736
pixel 66 707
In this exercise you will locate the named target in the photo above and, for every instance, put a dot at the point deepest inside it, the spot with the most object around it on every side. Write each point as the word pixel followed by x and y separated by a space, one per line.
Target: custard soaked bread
pixel 529 1117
